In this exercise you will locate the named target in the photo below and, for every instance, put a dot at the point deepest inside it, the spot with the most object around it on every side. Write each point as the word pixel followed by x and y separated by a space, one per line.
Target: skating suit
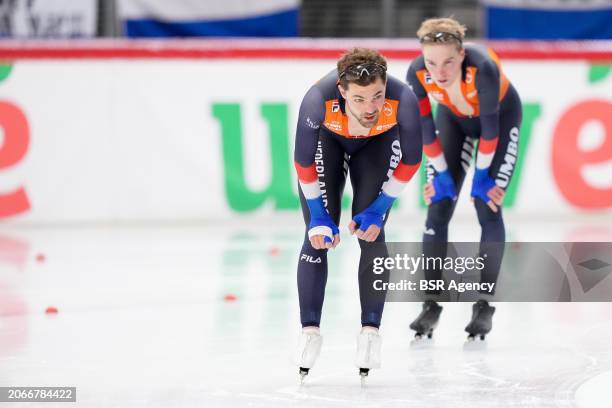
pixel 495 121
pixel 324 153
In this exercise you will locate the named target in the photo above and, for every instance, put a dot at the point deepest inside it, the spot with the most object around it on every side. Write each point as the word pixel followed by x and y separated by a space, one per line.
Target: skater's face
pixel 443 62
pixel 364 103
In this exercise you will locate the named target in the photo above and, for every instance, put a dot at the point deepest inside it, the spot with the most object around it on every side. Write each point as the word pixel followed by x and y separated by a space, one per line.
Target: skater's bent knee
pixel 440 213
pixel 485 214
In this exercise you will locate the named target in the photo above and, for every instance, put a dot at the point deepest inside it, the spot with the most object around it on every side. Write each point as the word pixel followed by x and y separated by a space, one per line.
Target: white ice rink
pixel 143 322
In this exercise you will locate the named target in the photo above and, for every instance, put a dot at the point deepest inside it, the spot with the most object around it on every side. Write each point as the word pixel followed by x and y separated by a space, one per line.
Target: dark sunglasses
pixel 362 70
pixel 440 37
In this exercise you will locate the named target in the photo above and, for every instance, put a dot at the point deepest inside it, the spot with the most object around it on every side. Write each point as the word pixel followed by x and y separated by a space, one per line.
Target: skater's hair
pixel 445 30
pixel 361 66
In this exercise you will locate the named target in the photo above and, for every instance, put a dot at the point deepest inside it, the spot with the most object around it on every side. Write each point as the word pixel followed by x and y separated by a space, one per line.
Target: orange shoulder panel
pixel 334 119
pixel 387 118
pixel 426 80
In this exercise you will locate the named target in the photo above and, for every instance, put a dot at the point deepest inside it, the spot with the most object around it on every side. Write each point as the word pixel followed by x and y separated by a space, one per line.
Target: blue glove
pixel 481 184
pixel 444 186
pixel 320 221
pixel 374 214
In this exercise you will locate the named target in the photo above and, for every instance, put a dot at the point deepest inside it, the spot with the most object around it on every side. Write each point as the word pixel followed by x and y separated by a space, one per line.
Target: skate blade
pixel 422 339
pixel 303 373
pixel 477 336
pixel 419 335
pixel 363 373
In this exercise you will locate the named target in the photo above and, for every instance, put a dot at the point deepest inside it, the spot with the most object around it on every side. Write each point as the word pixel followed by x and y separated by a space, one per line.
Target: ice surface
pixel 143 322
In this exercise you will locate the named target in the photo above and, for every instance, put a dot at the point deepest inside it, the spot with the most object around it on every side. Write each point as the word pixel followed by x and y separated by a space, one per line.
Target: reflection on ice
pixel 208 316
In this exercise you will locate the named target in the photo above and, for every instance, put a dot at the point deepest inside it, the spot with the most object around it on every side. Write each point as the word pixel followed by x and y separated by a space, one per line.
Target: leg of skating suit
pixel 457 149
pixel 312 263
pixel 502 167
pixel 369 168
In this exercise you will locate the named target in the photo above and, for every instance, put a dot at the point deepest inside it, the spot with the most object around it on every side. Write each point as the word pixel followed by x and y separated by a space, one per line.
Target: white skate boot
pixel 309 347
pixel 368 351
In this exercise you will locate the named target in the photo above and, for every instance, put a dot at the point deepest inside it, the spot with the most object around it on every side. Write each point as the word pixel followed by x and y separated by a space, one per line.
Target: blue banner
pixel 190 18
pixel 548 20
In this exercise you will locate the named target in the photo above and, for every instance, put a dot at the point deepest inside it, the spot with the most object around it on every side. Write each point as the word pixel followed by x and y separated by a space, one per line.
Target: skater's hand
pixel 441 187
pixel 323 232
pixel 368 223
pixel 320 241
pixel 428 192
pixel 485 189
pixel 369 235
pixel 496 195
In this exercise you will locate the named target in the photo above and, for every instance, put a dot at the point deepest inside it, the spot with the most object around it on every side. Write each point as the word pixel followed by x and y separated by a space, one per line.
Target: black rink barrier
pixel 505 272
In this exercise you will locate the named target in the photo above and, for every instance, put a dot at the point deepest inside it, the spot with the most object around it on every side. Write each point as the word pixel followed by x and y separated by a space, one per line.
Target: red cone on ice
pixel 274 251
pixel 51 310
pixel 41 258
pixel 230 297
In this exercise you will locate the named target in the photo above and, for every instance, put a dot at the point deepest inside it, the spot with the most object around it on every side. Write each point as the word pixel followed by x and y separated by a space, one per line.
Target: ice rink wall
pixel 203 130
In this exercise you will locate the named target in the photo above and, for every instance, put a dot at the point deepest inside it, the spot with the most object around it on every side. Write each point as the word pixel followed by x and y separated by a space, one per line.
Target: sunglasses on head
pixel 362 70
pixel 440 37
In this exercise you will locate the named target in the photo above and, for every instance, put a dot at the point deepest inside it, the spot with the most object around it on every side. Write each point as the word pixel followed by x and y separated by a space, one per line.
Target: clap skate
pixel 368 351
pixel 482 320
pixel 309 347
pixel 427 321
